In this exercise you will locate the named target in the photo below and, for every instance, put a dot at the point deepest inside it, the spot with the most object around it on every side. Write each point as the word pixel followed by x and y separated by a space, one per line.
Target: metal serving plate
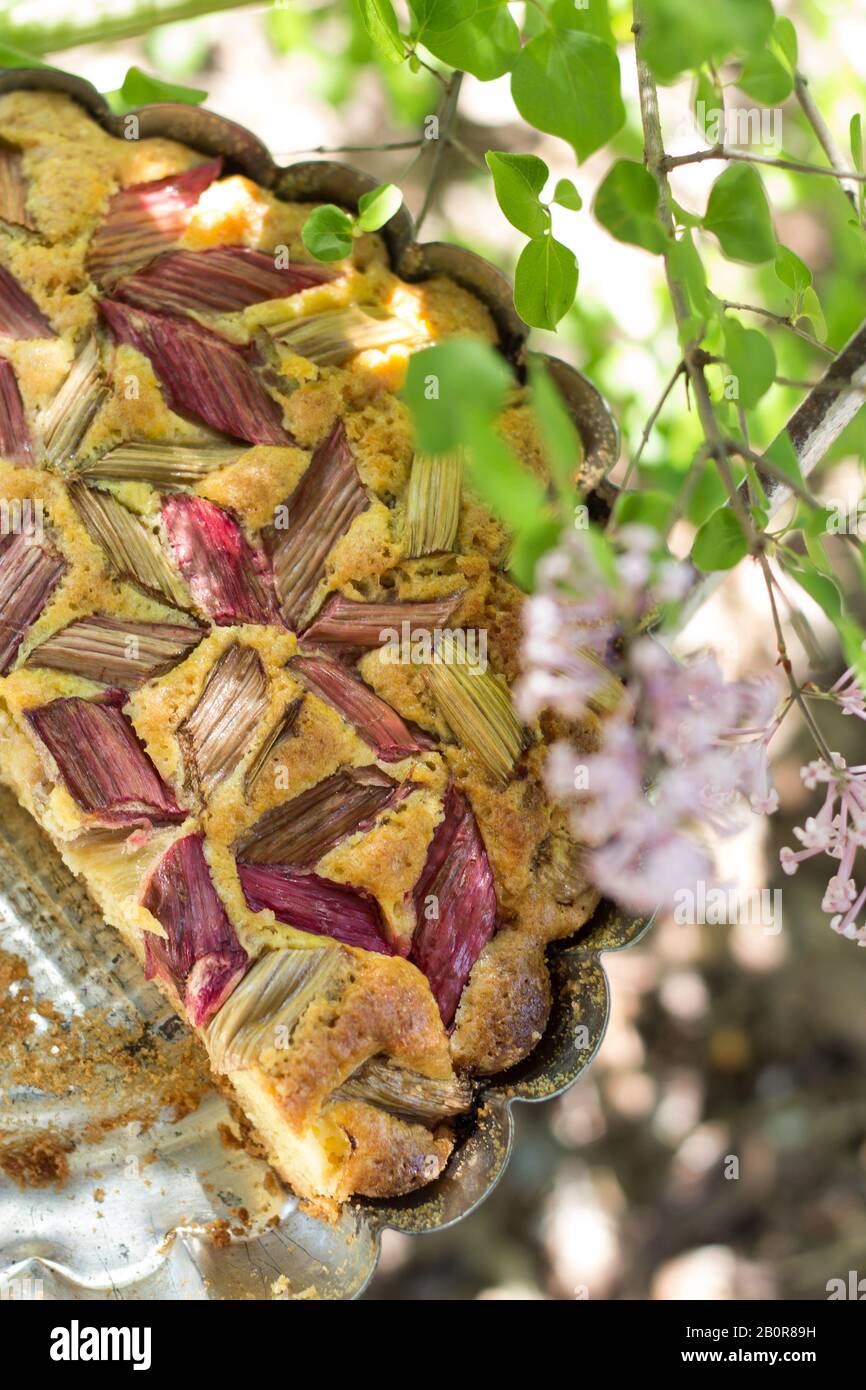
pixel 148 1233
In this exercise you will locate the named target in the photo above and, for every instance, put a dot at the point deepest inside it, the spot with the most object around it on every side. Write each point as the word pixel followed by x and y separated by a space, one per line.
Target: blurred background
pixel 725 1043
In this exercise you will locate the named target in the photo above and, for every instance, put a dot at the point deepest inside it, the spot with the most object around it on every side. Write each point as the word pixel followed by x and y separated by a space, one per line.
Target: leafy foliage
pixel 329 231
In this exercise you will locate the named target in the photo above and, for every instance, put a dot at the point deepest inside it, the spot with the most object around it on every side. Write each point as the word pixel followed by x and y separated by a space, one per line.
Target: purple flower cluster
pixel 683 753
pixel 838 830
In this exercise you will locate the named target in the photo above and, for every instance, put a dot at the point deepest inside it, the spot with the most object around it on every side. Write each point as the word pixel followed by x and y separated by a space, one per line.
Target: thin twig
pixel 446 121
pixel 826 384
pixel 767 465
pixel 783 320
pixel 351 149
pixel 648 427
pixel 654 152
pixel 434 72
pixel 794 166
pixel 785 662
pixel 469 155
pixel 823 134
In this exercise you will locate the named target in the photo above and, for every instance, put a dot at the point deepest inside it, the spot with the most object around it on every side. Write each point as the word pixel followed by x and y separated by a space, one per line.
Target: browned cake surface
pixel 233 727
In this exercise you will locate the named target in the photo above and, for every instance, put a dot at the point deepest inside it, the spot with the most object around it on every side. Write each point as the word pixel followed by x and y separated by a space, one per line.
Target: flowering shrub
pixel 683 753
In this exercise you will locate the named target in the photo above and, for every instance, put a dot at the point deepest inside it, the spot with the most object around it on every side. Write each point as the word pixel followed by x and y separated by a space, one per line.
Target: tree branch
pixel 823 134
pixel 648 427
pixel 796 166
pixel 783 320
pixel 656 160
pixel 351 149
pixel 446 121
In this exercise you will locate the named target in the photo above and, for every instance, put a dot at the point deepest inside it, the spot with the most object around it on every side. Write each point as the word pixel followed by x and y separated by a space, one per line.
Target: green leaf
pixel 590 16
pixel 739 215
pixel 327 233
pixel 434 16
pixel 559 437
pixel 378 206
pixel 752 359
pixel 707 495
pixel 485 45
pixel 380 21
pixel 706 102
pixel 452 388
pixel 766 78
pixel 792 271
pixel 679 35
pixel 853 638
pixel 856 132
pixel 567 196
pixel 545 282
pixel 566 83
pixel 140 88
pixel 12 57
pixel 784 37
pixel 518 180
pixel 819 587
pixel 627 205
pixel 810 308
pixel 645 508
pixel 529 547
pixel 782 453
pixel 720 543
pixel 516 494
pixel 688 268
pixel 506 484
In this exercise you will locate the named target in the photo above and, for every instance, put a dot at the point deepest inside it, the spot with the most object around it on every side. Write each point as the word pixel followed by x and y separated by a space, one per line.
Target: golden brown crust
pixel 385 1006
pixel 505 1006
pixel 388 1156
pixel 378 1005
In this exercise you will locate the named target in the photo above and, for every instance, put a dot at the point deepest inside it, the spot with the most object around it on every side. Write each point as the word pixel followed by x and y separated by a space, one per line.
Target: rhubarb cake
pixel 256 652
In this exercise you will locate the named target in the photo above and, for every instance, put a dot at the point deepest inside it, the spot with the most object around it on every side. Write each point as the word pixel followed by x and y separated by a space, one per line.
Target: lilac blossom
pixel 838 830
pixel 683 754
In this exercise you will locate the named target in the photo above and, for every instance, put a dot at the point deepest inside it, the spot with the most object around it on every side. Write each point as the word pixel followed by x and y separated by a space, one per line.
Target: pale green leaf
pixel 518 180
pixel 378 206
pixel 567 83
pixel 545 282
pixel 627 205
pixel 327 233
pixel 739 215
pixel 720 543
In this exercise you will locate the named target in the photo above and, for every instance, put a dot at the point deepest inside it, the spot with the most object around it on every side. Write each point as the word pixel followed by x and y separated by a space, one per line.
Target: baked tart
pixel 256 652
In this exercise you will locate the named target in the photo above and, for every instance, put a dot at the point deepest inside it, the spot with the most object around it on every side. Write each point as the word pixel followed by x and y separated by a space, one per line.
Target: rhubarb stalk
pixel 374 721
pixel 29 574
pixel 455 903
pixel 228 577
pixel 200 954
pixel 303 829
pixel 222 280
pixel 202 374
pixel 146 219
pixel 116 651
pixel 314 904
pixel 102 763
pixel 221 727
pixel 320 511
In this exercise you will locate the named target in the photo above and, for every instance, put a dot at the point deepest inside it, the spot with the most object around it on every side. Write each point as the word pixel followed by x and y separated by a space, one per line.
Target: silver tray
pixel 149 1233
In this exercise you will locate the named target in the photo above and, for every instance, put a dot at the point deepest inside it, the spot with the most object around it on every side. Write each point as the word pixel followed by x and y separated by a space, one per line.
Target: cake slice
pixel 334 855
